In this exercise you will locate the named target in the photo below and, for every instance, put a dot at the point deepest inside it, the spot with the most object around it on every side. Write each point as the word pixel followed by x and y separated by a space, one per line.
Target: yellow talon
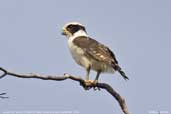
pixel 88 82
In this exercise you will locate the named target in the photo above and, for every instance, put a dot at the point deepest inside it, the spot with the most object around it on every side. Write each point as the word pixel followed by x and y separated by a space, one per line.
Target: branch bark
pixel 86 85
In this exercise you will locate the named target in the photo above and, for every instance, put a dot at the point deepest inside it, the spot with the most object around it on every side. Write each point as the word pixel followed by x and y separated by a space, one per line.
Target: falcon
pixel 89 53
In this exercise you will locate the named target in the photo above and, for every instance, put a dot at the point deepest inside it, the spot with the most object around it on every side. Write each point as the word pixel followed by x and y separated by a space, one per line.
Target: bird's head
pixel 73 29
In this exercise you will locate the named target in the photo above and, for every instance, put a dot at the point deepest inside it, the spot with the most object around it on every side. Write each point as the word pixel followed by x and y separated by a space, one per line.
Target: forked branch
pixel 2 96
pixel 86 85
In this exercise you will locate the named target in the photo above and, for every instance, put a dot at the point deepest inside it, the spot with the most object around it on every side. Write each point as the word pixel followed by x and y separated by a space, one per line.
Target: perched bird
pixel 89 53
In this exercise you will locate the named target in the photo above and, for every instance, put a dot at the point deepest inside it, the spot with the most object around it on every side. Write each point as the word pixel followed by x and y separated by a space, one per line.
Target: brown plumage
pixel 98 52
pixel 89 53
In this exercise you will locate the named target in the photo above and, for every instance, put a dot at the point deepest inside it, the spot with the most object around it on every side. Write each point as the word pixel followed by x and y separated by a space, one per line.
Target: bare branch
pixel 2 97
pixel 86 85
pixel 4 72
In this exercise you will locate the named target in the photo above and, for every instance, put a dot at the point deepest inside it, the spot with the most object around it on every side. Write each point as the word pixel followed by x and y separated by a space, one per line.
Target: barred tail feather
pixel 118 68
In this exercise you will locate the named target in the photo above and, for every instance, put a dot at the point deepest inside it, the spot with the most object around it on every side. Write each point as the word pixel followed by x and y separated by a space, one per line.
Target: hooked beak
pixel 63 32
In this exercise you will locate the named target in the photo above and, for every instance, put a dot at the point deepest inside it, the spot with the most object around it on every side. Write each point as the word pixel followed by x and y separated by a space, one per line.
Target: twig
pixel 86 85
pixel 2 97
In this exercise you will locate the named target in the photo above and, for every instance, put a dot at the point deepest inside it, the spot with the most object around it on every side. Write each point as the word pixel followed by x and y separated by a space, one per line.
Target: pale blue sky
pixel 139 33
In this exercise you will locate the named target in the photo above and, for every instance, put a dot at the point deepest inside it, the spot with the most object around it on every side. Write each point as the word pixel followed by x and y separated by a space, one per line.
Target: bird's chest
pixel 78 55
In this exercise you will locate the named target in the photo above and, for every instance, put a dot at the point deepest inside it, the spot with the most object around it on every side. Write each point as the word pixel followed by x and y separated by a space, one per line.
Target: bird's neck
pixel 79 33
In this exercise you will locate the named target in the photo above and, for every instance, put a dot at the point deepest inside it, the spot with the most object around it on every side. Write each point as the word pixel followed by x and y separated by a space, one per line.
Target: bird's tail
pixel 118 68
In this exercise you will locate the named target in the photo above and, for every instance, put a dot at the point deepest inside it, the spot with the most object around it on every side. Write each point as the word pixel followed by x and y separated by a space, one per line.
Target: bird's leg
pixel 96 80
pixel 88 73
pixel 97 76
pixel 87 81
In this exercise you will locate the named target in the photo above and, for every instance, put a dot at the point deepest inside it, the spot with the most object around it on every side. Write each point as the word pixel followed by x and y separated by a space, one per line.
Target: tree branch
pixel 85 84
pixel 2 97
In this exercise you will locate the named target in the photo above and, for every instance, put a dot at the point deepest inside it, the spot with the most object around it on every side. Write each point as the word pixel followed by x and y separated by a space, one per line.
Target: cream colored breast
pixel 78 54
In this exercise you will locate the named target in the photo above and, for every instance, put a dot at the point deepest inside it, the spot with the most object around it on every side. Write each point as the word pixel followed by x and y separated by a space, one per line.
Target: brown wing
pixel 99 52
pixel 95 50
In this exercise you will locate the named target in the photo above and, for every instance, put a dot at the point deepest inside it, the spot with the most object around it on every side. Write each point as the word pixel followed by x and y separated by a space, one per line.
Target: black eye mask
pixel 74 28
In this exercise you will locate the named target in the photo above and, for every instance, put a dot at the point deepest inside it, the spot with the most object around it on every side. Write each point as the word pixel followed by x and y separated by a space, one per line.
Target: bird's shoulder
pixel 95 49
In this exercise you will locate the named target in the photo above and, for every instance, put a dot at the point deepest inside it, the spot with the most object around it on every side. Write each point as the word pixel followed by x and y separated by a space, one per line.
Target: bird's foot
pixel 88 82
pixel 91 84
